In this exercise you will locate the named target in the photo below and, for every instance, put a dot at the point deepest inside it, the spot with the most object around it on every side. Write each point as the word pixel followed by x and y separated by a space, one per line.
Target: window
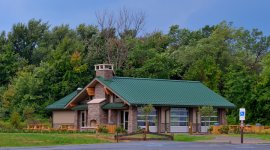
pixel 152 118
pixel 179 117
pixel 209 120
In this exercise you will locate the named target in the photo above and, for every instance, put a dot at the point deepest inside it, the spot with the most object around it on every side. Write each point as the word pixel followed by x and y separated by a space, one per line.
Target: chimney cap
pixel 103 67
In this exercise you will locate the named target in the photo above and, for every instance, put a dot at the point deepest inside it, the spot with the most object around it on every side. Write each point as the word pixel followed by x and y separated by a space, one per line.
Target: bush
pixel 120 129
pixel 236 130
pixel 5 126
pixel 224 130
pixel 210 129
pixel 102 129
pixel 15 120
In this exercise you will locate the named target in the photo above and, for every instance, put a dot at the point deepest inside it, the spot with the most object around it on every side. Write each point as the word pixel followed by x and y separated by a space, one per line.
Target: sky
pixel 160 14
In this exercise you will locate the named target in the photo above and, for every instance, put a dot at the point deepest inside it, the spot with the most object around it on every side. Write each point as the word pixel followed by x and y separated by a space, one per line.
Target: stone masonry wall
pixel 95 112
pixel 99 91
pixel 106 74
pixel 103 114
pixel 132 119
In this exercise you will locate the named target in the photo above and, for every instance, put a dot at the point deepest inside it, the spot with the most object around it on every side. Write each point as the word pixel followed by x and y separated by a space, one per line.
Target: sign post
pixel 242 116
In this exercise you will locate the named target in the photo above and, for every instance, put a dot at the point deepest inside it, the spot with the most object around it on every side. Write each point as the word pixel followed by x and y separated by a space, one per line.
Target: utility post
pixel 242 114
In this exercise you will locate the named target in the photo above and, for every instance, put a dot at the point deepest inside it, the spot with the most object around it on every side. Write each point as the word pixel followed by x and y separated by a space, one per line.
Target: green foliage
pixel 40 65
pixel 120 129
pixel 5 125
pixel 206 110
pixel 15 120
pixel 102 129
pixel 41 139
pixel 191 138
pixel 146 110
pixel 28 114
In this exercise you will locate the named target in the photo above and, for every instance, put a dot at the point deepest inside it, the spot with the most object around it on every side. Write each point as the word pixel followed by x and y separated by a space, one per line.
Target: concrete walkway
pixel 235 140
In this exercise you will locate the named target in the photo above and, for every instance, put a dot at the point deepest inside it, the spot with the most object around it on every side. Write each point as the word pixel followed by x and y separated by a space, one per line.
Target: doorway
pixel 82 119
pixel 124 119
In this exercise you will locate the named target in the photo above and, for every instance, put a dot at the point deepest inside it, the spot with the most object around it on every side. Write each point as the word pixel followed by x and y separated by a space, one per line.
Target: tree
pixel 147 109
pixel 126 23
pixel 117 32
pixel 10 63
pixel 207 112
pixel 15 120
pixel 26 38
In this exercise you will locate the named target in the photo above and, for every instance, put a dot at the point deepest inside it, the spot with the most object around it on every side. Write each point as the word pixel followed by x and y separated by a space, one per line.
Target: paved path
pixel 236 140
pixel 153 145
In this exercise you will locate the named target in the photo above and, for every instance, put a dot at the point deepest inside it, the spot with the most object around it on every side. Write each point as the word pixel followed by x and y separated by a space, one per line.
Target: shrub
pixel 102 129
pixel 15 120
pixel 5 125
pixel 210 129
pixel 236 130
pixel 224 130
pixel 120 129
pixel 140 130
pixel 28 114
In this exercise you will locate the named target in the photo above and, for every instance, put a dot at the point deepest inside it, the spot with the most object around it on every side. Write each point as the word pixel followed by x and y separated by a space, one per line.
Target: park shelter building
pixel 109 99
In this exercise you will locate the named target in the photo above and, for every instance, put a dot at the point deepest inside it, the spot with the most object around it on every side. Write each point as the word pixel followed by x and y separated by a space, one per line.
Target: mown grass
pixel 41 139
pixel 192 138
pixel 257 136
pixel 147 136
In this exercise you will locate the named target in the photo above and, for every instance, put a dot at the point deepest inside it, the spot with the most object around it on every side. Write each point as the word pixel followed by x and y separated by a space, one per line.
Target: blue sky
pixel 160 14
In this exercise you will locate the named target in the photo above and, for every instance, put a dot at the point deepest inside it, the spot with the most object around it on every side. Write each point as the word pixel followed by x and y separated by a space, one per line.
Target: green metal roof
pixel 80 107
pixel 60 104
pixel 141 91
pixel 113 106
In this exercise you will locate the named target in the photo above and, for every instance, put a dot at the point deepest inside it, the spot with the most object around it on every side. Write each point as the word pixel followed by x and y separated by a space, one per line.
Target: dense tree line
pixel 40 64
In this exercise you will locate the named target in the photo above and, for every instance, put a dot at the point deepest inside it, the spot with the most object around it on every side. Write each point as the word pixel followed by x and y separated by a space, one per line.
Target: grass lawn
pixel 257 136
pixel 147 136
pixel 192 138
pixel 45 139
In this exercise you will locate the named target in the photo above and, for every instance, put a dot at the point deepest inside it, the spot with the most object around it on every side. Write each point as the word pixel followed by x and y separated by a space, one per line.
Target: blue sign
pixel 242 114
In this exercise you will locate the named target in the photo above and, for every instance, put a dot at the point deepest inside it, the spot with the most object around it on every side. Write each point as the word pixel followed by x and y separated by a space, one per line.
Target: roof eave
pixel 80 93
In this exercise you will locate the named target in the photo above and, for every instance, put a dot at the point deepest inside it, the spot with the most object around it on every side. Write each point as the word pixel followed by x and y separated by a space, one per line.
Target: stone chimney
pixel 105 71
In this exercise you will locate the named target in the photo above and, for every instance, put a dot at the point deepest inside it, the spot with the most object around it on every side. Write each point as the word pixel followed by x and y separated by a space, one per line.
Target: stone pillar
pixel 111 112
pixel 109 116
pixel 132 119
pixel 76 120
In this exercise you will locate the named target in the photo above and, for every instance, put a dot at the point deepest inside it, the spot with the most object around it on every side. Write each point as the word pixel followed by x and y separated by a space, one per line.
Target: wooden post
pixel 144 135
pixel 242 131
